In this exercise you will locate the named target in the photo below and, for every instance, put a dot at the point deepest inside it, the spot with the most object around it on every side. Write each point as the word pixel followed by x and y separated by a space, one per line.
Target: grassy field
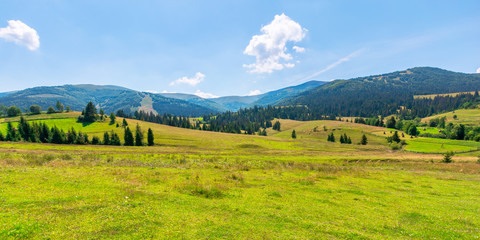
pixel 464 116
pixel 208 185
pixel 432 96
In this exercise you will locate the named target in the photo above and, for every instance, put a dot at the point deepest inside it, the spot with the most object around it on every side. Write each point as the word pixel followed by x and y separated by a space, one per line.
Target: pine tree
pixel 124 124
pixel 90 113
pixel 129 141
pixel 349 141
pixel 11 133
pixel 395 137
pixel 342 139
pixel 150 137
pixel 116 139
pixel 106 139
pixel 112 118
pixel 138 136
pixel 364 140
pixel 294 134
pixel 101 113
pixel 57 136
pixel 95 140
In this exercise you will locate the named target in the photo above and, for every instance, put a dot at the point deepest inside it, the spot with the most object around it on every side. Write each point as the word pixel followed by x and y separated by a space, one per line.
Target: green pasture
pixel 208 185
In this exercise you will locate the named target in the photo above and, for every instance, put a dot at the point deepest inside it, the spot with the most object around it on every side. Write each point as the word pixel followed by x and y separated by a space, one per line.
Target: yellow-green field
pixel 207 185
pixel 464 116
pixel 432 96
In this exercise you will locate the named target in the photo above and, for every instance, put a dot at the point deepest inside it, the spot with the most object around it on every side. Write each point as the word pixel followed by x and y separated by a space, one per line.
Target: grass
pixel 199 185
pixel 464 116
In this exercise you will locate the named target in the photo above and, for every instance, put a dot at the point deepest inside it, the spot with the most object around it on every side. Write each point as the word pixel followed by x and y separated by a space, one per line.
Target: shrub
pixel 50 110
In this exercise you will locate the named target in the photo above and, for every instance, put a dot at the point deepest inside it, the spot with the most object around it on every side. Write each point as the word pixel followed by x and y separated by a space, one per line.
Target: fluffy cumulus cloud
pixel 205 95
pixel 299 49
pixel 478 70
pixel 254 92
pixel 21 34
pixel 190 81
pixel 270 49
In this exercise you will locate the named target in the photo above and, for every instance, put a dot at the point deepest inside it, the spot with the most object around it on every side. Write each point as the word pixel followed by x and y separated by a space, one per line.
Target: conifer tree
pixel 106 139
pixel 294 134
pixel 150 137
pixel 112 118
pixel 90 113
pixel 364 140
pixel 129 141
pixel 138 136
pixel 342 139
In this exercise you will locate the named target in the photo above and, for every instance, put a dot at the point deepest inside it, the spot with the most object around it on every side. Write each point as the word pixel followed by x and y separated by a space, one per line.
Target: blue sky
pixel 219 48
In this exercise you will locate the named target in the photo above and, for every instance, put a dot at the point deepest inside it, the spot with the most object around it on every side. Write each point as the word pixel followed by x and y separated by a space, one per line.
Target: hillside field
pixel 203 185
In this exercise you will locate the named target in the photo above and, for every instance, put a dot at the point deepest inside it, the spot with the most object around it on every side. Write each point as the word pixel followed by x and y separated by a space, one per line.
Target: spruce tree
pixel 90 113
pixel 116 139
pixel 129 141
pixel 106 139
pixel 138 136
pixel 294 134
pixel 342 139
pixel 364 140
pixel 150 137
pixel 395 137
pixel 112 118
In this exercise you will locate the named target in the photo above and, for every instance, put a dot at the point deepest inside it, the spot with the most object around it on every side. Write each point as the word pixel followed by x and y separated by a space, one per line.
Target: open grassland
pixel 432 96
pixel 203 185
pixel 464 116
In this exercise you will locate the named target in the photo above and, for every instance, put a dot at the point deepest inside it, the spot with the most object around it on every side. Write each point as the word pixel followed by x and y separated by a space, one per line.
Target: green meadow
pixel 208 185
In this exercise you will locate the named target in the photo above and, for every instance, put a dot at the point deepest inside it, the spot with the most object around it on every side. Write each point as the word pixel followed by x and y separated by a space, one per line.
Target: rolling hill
pixel 110 98
pixel 382 94
pixel 234 103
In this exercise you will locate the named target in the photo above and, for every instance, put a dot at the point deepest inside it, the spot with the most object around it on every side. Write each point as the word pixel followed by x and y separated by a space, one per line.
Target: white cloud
pixel 21 34
pixel 478 70
pixel 205 95
pixel 299 49
pixel 254 92
pixel 190 81
pixel 269 48
pixel 165 91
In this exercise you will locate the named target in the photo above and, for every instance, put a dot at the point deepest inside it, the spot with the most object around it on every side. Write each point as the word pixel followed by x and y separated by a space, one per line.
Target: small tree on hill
pixel 138 136
pixel 124 124
pixel 50 110
pixel 59 106
pixel 391 122
pixel 112 118
pixel 276 126
pixel 294 134
pixel 150 137
pixel 102 113
pixel 364 140
pixel 14 111
pixel 447 157
pixel 68 109
pixel 106 138
pixel 90 113
pixel 35 109
pixel 129 141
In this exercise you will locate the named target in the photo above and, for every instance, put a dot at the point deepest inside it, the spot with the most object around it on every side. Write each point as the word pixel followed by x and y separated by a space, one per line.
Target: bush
pixel 50 110
pixel 35 109
pixel 395 146
pixel 14 111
